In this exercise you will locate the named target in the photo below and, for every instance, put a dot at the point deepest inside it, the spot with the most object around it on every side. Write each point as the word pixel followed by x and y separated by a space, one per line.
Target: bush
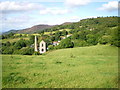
pixel 32 38
pixel 105 39
pixel 19 44
pixel 36 53
pixel 7 43
pixel 116 43
pixel 91 39
pixel 57 47
pixel 50 47
pixel 75 36
pixel 66 43
pixel 8 50
pixel 25 51
pixel 80 43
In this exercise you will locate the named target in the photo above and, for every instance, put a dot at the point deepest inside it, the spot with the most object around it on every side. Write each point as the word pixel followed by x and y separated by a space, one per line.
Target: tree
pixel 52 38
pixel 91 39
pixel 32 38
pixel 50 47
pixel 8 43
pixel 75 36
pixel 66 43
pixel 19 44
pixel 105 39
pixel 25 51
pixel 8 50
pixel 58 33
pixel 64 32
pixel 36 53
pixel 82 35
pixel 80 43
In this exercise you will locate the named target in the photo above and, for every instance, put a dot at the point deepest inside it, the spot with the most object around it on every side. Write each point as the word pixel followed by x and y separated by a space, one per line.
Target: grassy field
pixel 47 33
pixel 12 40
pixel 82 67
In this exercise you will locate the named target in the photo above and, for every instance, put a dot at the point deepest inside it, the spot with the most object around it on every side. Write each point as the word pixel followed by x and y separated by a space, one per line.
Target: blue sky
pixel 17 14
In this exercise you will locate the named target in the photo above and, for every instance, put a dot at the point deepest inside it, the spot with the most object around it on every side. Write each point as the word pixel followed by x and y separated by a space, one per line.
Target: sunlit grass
pixel 83 67
pixel 13 39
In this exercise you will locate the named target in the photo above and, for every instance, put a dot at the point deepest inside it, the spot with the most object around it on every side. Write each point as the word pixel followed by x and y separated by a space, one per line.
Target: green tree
pixel 19 44
pixel 91 39
pixel 25 51
pixel 75 36
pixel 8 43
pixel 105 39
pixel 80 43
pixel 50 47
pixel 82 35
pixel 64 32
pixel 8 50
pixel 32 38
pixel 52 38
pixel 66 43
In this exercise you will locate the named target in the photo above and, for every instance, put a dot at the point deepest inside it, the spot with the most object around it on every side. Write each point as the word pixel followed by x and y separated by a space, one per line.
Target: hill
pixel 34 29
pixel 98 24
pixel 10 31
pixel 90 24
pixel 30 30
pixel 66 23
pixel 82 67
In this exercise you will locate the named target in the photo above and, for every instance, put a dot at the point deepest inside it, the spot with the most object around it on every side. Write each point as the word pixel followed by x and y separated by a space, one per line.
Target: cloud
pixel 10 7
pixel 75 18
pixel 54 11
pixel 76 3
pixel 16 22
pixel 110 6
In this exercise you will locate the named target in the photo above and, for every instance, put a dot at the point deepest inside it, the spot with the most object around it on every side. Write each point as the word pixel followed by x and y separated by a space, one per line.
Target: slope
pixel 83 67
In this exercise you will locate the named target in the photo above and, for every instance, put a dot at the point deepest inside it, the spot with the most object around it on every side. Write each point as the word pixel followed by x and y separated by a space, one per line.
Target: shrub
pixel 50 47
pixel 36 53
pixel 57 47
pixel 116 43
pixel 66 43
pixel 8 50
pixel 91 39
pixel 80 43
pixel 19 44
pixel 105 39
pixel 25 51
pixel 75 36
pixel 7 43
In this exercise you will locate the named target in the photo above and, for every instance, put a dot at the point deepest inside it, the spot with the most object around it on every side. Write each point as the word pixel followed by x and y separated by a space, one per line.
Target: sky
pixel 21 14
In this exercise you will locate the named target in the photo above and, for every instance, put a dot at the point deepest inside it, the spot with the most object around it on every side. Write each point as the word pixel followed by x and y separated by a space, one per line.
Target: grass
pixel 47 33
pixel 82 67
pixel 13 40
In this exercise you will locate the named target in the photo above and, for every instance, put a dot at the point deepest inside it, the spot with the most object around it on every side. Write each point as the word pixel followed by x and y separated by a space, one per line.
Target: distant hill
pixel 34 29
pixel 66 23
pixel 13 31
pixel 30 30
pixel 95 25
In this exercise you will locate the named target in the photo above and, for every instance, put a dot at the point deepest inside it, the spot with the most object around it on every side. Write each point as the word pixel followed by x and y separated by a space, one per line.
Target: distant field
pixel 12 40
pixel 47 33
pixel 82 67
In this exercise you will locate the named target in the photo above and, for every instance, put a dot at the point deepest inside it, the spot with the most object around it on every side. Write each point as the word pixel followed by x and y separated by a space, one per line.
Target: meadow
pixel 13 40
pixel 81 67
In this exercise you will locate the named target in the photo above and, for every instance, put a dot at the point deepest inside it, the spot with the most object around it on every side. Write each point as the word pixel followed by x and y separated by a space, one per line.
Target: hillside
pixel 92 24
pixel 82 67
pixel 34 29
pixel 10 31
